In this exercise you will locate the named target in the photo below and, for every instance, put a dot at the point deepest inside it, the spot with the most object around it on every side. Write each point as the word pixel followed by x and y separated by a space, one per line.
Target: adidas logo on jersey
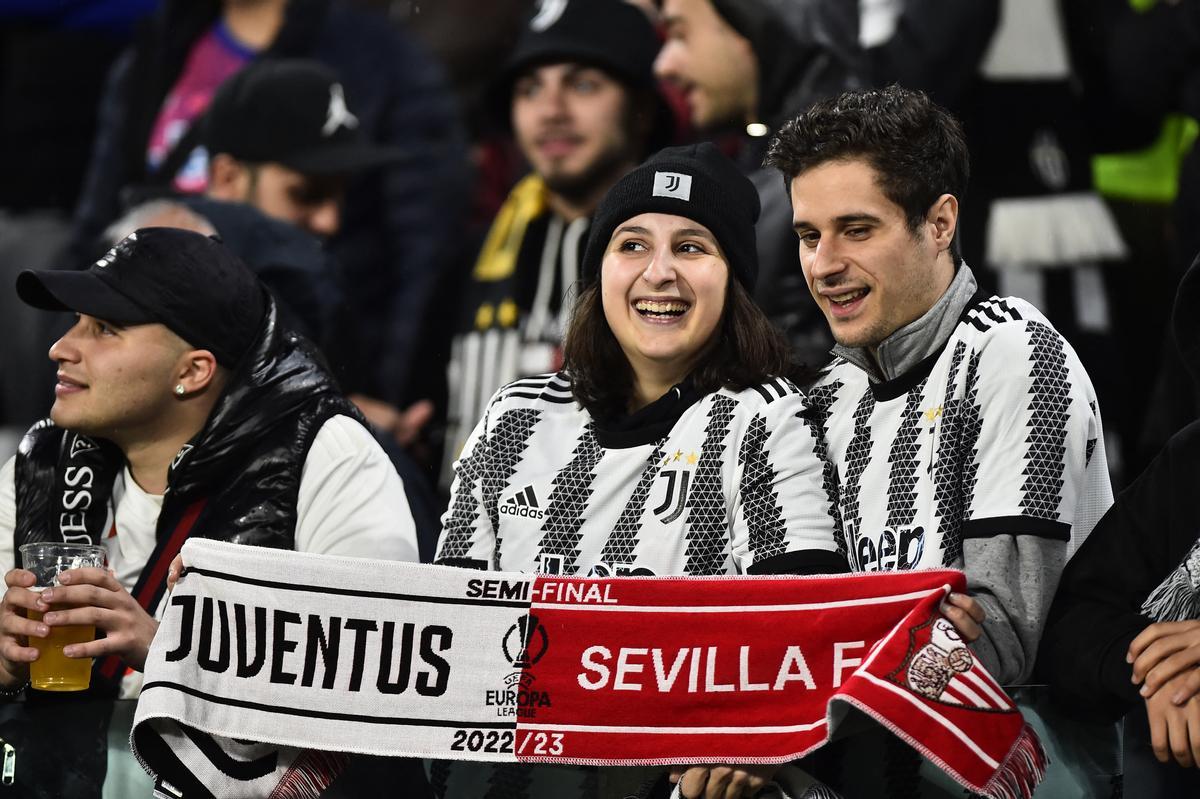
pixel 523 503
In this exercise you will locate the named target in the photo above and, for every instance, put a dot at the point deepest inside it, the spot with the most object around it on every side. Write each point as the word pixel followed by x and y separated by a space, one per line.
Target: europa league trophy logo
pixel 527 639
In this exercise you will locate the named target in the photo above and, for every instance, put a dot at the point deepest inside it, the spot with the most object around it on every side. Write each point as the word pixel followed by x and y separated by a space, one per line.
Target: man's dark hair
pixel 914 145
pixel 745 350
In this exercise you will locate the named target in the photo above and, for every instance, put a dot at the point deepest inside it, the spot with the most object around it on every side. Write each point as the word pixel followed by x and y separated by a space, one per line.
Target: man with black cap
pixel 181 409
pixel 745 67
pixel 580 96
pixel 281 137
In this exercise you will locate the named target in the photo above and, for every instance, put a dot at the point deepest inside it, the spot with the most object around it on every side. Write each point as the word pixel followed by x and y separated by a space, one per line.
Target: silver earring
pixel 179 389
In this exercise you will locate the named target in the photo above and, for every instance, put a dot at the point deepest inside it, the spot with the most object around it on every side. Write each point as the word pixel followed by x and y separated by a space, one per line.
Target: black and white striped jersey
pixel 998 434
pixel 729 481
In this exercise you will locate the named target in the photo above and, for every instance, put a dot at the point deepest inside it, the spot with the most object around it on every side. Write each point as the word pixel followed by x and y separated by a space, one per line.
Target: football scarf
pixel 303 659
pixel 1177 598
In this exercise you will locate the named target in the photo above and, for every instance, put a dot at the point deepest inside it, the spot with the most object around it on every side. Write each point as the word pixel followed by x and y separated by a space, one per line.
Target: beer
pixel 53 671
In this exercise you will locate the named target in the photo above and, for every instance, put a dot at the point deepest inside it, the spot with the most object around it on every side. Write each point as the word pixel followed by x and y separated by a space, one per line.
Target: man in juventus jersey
pixel 961 430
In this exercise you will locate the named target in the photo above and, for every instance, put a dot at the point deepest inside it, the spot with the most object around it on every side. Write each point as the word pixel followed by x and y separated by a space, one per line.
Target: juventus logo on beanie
pixel 695 181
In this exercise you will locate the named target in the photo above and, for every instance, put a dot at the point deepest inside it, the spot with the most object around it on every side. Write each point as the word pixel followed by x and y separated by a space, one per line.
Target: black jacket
pixel 1098 609
pixel 394 223
pixel 241 473
pixel 1139 545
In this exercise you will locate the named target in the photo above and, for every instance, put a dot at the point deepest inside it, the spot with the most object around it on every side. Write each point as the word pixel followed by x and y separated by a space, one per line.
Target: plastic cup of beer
pixel 53 671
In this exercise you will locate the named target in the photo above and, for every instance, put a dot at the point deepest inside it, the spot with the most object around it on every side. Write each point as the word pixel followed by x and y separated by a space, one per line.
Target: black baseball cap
pixel 292 112
pixel 189 282
pixel 613 35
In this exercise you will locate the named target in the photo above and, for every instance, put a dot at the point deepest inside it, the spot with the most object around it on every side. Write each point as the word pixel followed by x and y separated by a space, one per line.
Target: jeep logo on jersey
pixel 672 184
pixel 523 503
pixel 892 550
pixel 525 642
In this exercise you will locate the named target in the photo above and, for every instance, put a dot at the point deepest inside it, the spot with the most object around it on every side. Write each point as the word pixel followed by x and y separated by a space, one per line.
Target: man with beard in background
pixel 579 93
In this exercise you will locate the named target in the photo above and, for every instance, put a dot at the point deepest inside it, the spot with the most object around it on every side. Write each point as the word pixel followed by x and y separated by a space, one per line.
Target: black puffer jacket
pixel 245 465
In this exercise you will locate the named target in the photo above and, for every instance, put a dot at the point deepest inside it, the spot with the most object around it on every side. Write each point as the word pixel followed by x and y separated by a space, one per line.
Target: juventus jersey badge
pixel 676 498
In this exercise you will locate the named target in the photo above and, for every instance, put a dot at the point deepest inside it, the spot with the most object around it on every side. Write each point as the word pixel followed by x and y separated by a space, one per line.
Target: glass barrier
pixel 78 748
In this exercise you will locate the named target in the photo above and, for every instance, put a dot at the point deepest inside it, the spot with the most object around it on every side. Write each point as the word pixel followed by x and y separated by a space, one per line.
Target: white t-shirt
pixel 351 502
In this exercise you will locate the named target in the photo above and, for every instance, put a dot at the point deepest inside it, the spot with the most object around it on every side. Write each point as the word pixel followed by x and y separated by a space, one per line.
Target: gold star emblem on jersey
pixel 507 314
pixel 933 414
pixel 485 316
pixel 692 458
pixel 678 455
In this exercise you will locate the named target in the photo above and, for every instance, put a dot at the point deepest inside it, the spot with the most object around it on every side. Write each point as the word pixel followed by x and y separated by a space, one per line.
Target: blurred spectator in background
pixel 290 262
pixel 394 221
pixel 282 144
pixel 580 95
pixel 281 136
pixel 1035 227
pixel 747 66
pixel 1143 57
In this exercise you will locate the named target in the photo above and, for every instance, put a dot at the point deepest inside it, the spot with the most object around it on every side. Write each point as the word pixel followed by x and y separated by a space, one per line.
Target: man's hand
pixel 965 614
pixel 722 781
pixel 1174 729
pixel 173 572
pixel 403 425
pixel 1163 651
pixel 16 629
pixel 95 597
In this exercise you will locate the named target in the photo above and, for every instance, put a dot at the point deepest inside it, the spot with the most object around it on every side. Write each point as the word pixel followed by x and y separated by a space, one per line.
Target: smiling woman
pixel 674 248
pixel 673 440
pixel 663 292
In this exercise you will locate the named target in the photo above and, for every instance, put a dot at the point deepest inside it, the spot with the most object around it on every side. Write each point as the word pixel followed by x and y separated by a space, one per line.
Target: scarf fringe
pixel 1176 598
pixel 1021 771
pixel 310 774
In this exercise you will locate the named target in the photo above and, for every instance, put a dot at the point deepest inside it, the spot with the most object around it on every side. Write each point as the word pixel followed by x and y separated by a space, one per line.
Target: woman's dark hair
pixel 744 351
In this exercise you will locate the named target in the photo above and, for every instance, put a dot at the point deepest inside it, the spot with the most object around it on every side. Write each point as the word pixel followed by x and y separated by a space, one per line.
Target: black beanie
pixel 694 181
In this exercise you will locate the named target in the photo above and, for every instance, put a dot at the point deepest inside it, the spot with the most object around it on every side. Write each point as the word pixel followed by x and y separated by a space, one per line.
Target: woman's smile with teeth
pixel 660 307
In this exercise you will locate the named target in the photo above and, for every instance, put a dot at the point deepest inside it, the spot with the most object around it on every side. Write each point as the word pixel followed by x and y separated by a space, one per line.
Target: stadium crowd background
pixel 1116 119
pixel 1080 116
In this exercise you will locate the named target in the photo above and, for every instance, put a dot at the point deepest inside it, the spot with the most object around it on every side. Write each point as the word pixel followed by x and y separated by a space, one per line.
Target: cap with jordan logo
pixel 292 112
